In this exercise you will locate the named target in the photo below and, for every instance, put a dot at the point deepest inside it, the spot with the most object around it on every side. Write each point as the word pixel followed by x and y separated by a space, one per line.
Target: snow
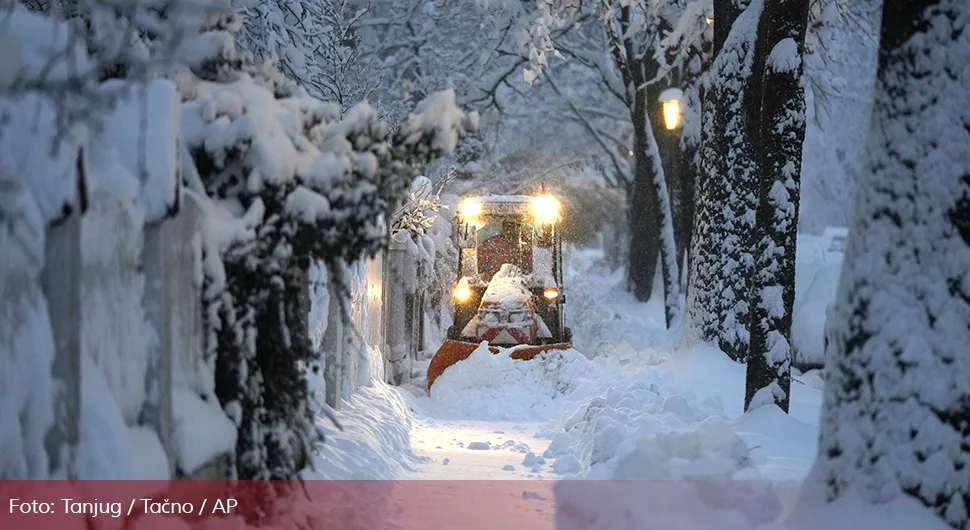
pixel 636 407
pixel 146 115
pixel 26 344
pixel 109 449
pixel 201 431
pixel 784 56
pixel 506 290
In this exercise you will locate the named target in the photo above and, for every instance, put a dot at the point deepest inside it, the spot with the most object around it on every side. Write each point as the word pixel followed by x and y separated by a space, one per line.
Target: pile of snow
pixel 201 430
pixel 736 506
pixel 109 449
pixel 634 431
pixel 375 440
pixel 488 386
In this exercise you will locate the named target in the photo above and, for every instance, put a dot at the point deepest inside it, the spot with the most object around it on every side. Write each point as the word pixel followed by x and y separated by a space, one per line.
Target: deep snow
pixel 625 403
pixel 631 406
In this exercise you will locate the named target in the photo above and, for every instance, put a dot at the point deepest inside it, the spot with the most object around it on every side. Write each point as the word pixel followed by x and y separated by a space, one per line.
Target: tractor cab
pixel 509 285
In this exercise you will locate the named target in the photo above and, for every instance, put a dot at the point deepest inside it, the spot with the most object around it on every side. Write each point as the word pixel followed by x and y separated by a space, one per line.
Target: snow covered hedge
pixel 289 179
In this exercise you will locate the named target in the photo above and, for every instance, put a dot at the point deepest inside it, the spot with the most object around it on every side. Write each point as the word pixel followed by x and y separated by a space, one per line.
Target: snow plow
pixel 509 288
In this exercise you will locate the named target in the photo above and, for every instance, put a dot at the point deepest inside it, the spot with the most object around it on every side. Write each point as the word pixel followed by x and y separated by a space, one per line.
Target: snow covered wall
pixel 98 291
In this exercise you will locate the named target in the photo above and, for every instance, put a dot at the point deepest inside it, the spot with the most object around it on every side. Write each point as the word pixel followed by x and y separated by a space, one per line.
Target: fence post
pixel 397 313
pixel 61 282
pixel 332 344
pixel 172 307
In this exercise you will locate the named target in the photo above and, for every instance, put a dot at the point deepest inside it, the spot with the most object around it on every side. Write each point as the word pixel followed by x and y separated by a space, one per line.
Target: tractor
pixel 509 287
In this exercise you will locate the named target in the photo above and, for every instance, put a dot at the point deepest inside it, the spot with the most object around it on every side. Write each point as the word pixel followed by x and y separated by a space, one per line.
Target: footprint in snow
pixel 445 462
pixel 479 446
pixel 508 467
pixel 532 495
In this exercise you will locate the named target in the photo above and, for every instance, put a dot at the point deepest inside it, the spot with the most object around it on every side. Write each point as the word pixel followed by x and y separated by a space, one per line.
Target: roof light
pixel 470 208
pixel 546 208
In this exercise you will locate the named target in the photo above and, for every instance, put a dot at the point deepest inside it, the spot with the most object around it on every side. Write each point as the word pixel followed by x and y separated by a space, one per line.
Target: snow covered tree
pixel 290 179
pixel 721 255
pixel 316 43
pixel 645 44
pixel 896 416
pixel 772 297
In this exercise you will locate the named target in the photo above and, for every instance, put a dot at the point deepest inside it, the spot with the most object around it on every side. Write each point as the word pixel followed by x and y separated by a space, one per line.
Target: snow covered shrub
pixel 290 179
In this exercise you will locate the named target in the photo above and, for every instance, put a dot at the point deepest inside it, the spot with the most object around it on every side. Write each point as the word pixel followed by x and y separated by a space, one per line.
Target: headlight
pixel 551 293
pixel 545 208
pixel 462 291
pixel 470 208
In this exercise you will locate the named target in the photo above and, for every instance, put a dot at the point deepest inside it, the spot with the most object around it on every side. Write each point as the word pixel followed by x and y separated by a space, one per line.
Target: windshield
pixel 503 241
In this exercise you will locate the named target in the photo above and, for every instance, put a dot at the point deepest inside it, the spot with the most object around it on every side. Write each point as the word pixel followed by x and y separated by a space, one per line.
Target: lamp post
pixel 670 99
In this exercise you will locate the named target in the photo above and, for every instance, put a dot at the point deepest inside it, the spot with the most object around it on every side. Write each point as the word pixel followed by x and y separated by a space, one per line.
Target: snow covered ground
pixel 625 403
pixel 632 405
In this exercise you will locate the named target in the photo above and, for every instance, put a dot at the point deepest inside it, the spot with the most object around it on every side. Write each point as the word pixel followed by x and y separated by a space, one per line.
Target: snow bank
pixel 635 431
pixel 488 386
pixel 109 449
pixel 737 506
pixel 375 441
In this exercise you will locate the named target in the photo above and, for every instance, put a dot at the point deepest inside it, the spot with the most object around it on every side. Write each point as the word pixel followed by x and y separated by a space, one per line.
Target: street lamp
pixel 670 99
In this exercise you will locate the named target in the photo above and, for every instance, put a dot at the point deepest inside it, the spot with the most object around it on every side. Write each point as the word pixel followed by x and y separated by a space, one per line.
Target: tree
pixel 772 298
pixel 721 254
pixel 896 416
pixel 645 42
pixel 289 179
pixel 316 43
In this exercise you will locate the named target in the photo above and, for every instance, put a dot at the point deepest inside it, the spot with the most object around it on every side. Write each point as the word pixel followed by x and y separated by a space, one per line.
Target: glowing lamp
pixel 551 293
pixel 671 114
pixel 710 20
pixel 470 208
pixel 462 291
pixel 545 208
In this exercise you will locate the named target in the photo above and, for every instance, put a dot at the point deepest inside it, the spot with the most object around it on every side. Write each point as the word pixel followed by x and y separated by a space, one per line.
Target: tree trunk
pixel 643 208
pixel 691 141
pixel 782 135
pixel 721 261
pixel 896 414
pixel 663 219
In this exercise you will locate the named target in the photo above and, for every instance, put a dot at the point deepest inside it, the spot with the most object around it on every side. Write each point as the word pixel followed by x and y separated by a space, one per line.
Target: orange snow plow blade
pixel 453 351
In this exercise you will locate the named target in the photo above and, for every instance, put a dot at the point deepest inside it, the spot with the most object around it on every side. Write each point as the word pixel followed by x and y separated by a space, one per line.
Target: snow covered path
pixel 624 404
pixel 488 450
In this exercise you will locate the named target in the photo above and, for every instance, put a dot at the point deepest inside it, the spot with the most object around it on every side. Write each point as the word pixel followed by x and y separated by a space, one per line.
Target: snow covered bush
pixel 290 179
